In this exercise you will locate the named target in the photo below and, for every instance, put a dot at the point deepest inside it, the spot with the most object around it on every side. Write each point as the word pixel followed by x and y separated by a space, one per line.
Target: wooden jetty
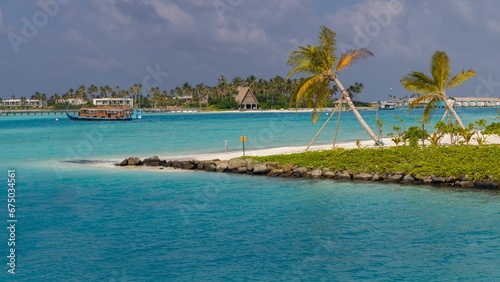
pixel 75 111
pixel 35 112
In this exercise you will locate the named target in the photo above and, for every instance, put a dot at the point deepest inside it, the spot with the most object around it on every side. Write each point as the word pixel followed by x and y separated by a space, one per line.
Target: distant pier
pixel 73 111
pixel 35 112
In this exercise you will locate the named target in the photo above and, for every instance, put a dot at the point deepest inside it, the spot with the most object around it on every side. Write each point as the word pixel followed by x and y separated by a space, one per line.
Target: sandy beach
pixel 492 139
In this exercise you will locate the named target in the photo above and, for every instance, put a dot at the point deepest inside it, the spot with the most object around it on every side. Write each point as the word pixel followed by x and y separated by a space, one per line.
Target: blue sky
pixel 53 45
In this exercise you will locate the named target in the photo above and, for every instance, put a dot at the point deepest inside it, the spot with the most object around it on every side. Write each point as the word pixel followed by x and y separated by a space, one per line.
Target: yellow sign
pixel 243 138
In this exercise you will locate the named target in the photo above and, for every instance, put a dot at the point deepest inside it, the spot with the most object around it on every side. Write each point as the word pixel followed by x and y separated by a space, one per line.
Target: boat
pixel 106 114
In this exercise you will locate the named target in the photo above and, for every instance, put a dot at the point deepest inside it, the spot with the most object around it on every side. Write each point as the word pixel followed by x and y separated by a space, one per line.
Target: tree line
pixel 274 93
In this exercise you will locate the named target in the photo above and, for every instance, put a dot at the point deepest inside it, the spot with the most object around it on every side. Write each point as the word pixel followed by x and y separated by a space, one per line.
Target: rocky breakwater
pixel 249 166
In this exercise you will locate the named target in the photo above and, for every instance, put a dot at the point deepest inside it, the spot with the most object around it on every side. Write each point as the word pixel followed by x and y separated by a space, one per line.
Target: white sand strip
pixel 492 139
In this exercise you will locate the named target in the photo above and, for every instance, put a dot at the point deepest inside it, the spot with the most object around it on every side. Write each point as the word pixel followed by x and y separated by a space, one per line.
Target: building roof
pixel 246 93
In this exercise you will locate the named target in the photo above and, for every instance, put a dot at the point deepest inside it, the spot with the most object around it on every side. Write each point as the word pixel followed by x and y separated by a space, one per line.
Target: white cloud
pixel 242 35
pixel 108 17
pixel 172 13
pixel 373 24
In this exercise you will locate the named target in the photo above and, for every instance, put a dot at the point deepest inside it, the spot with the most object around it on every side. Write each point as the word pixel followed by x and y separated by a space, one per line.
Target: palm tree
pixel 322 66
pixel 92 90
pixel 432 89
pixel 81 92
pixel 355 89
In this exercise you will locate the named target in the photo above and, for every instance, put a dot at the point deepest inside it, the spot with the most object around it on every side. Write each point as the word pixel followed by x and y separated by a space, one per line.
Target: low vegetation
pixel 478 163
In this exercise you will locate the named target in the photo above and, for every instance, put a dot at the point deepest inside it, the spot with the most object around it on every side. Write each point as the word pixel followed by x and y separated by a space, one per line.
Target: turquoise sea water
pixel 80 219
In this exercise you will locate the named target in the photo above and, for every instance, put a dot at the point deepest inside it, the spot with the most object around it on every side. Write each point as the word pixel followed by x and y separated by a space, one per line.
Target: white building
pixel 12 103
pixel 466 102
pixel 122 102
pixel 73 102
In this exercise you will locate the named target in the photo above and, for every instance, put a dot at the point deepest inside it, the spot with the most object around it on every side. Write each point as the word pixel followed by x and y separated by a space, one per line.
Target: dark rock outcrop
pixel 273 169
pixel 153 161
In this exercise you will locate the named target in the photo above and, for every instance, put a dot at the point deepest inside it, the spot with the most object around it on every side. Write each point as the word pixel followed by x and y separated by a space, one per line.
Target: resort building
pixel 464 102
pixel 246 99
pixel 25 103
pixel 73 102
pixel 475 102
pixel 123 102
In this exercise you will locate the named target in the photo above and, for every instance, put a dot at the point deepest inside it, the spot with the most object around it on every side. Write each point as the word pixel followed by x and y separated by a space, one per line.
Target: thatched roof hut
pixel 246 99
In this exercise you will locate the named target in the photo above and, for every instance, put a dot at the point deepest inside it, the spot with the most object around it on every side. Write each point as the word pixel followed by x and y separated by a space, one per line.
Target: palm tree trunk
pixel 356 112
pixel 450 107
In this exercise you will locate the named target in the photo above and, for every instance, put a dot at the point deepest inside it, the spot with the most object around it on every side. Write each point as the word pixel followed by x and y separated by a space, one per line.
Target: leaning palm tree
pixel 432 89
pixel 322 66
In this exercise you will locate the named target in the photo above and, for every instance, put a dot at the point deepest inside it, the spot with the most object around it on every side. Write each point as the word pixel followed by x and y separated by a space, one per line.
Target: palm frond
pixel 327 43
pixel 310 88
pixel 304 61
pixel 418 82
pixel 352 56
pixel 440 69
pixel 429 108
pixel 424 99
pixel 460 78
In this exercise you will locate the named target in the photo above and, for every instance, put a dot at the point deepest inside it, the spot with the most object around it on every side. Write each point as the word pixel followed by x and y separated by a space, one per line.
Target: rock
pixel 153 161
pixel 134 161
pixel 437 180
pixel 408 179
pixel 363 176
pixel 187 165
pixel 288 167
pixel 241 169
pixel 210 167
pixel 236 164
pixel 250 166
pixel 300 171
pixel 376 177
pixel 222 167
pixel 485 184
pixel 316 173
pixel 328 173
pixel 272 165
pixel 397 177
pixel 427 179
pixel 123 163
pixel 345 175
pixel 201 166
pixel 260 169
pixel 451 179
pixel 287 174
pixel 274 172
pixel 465 184
pixel 176 164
